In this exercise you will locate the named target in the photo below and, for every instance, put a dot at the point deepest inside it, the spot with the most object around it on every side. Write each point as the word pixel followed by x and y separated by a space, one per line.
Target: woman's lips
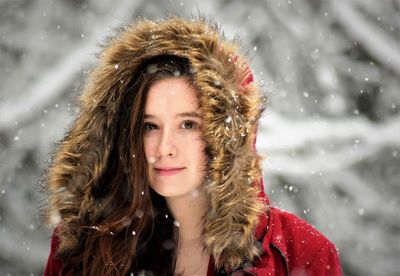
pixel 167 172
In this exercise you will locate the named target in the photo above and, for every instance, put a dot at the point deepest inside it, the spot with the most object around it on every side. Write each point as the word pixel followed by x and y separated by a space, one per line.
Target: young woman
pixel 159 174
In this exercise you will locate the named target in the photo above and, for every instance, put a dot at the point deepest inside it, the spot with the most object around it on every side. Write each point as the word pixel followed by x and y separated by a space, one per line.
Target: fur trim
pixel 231 105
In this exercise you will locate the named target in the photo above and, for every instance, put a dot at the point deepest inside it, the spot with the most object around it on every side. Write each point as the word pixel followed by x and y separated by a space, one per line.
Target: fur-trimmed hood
pixel 231 106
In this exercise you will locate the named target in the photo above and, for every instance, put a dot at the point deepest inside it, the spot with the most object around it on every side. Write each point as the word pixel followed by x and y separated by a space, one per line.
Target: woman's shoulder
pixel 293 226
pixel 301 245
pixel 295 233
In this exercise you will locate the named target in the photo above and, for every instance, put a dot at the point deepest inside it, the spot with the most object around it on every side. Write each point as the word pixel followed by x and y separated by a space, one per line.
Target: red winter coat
pixel 291 247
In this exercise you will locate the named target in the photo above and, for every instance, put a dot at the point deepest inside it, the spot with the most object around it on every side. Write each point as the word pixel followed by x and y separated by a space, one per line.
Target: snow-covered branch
pixel 380 45
pixel 53 83
pixel 279 133
pixel 45 92
pixel 337 144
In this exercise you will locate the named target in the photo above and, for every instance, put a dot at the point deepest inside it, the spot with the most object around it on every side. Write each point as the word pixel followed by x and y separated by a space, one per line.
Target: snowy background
pixel 330 135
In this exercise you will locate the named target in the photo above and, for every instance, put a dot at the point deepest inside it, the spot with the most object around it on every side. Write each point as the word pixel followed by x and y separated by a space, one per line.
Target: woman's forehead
pixel 174 95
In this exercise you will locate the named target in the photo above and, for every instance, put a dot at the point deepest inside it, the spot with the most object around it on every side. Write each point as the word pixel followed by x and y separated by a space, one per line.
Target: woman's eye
pixel 149 126
pixel 189 124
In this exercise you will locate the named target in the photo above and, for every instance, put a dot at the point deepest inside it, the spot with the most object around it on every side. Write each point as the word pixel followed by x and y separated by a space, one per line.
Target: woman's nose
pixel 166 145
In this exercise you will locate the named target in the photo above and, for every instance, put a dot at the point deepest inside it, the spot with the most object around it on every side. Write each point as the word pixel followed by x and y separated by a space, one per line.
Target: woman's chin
pixel 168 192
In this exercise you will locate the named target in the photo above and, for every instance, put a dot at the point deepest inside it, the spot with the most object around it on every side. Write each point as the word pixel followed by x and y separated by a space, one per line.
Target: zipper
pixel 284 258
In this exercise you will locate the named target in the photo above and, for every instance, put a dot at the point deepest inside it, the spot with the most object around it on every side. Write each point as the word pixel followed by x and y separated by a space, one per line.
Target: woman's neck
pixel 188 211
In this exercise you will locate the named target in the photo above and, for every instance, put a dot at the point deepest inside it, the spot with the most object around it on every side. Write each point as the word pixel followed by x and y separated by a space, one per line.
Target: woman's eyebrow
pixel 183 114
pixel 188 114
pixel 148 116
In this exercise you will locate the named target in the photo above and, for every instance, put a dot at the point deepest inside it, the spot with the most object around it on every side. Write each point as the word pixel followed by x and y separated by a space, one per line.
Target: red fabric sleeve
pixel 54 265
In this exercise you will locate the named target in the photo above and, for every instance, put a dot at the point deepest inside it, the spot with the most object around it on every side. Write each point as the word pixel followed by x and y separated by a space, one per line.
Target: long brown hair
pixel 118 236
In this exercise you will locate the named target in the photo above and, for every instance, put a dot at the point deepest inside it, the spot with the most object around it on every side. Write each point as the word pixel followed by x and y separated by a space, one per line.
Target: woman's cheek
pixel 192 140
pixel 149 144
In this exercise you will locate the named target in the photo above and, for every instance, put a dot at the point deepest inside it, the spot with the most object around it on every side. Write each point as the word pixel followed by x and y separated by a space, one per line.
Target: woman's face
pixel 172 138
